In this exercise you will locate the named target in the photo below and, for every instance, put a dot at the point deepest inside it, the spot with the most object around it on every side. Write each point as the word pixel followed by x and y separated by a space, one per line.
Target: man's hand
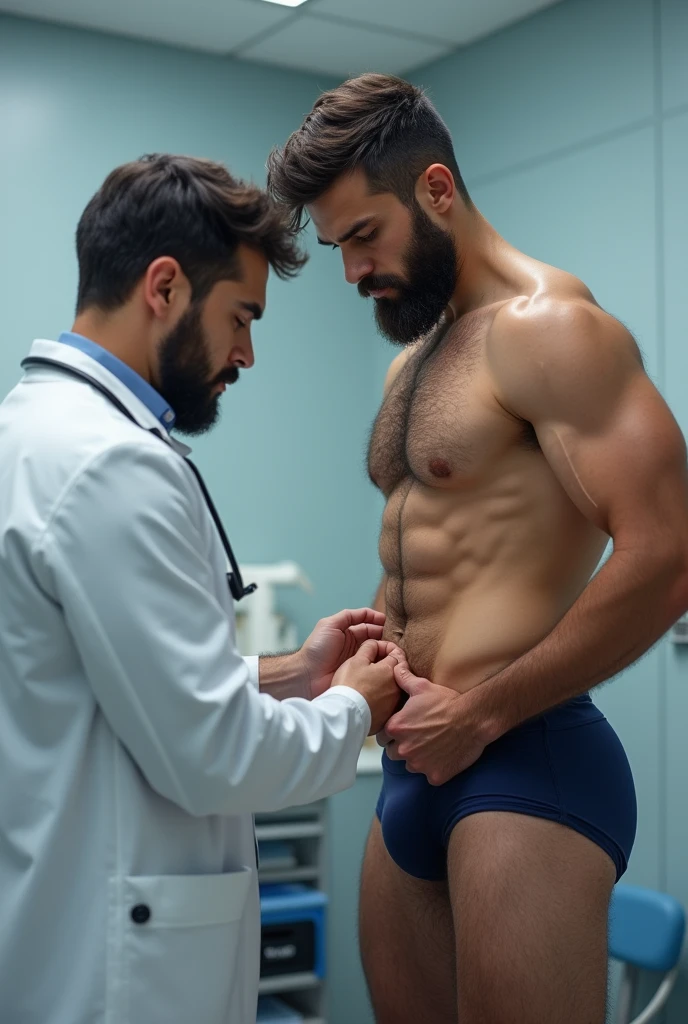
pixel 371 673
pixel 333 641
pixel 438 732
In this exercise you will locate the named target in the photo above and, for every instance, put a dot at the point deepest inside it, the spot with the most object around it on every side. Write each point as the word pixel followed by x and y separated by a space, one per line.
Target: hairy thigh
pixel 530 900
pixel 407 941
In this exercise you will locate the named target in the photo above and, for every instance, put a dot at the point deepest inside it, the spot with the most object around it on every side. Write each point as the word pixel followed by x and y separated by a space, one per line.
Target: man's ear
pixel 435 189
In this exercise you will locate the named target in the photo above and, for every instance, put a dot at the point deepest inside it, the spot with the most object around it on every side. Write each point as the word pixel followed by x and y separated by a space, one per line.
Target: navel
pixel 438 467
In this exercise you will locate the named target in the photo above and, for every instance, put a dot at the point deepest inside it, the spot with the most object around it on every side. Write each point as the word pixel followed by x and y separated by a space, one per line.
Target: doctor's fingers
pixel 349 617
pixel 389 652
pixel 365 631
pixel 377 652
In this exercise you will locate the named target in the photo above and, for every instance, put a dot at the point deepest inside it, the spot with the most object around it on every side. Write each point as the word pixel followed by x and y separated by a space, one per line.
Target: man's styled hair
pixel 190 209
pixel 379 123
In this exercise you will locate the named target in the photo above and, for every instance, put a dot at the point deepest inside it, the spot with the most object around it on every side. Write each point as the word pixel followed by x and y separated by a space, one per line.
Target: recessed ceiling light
pixel 286 3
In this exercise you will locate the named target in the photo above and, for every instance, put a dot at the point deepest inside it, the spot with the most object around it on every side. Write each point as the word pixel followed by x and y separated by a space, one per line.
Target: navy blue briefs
pixel 567 765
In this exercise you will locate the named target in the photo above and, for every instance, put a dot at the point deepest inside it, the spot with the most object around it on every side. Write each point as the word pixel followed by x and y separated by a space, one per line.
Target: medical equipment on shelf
pixel 260 628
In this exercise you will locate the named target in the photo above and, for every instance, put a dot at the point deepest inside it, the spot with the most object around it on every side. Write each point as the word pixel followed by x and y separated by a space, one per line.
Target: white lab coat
pixel 134 744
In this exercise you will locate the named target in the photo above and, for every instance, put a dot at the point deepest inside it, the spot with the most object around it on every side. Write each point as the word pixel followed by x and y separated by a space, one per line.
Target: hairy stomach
pixel 478 632
pixel 464 604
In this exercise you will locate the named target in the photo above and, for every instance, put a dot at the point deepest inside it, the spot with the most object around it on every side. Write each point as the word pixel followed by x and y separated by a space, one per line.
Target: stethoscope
pixel 236 583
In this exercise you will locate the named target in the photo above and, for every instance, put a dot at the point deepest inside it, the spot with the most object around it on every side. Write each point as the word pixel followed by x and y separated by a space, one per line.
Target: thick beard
pixel 430 264
pixel 185 375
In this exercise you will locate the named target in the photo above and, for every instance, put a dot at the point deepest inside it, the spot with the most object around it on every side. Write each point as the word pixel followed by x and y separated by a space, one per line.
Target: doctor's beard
pixel 185 377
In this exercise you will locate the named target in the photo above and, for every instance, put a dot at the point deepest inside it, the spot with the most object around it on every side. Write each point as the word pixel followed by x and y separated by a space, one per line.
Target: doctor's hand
pixel 333 641
pixel 371 673
pixel 438 732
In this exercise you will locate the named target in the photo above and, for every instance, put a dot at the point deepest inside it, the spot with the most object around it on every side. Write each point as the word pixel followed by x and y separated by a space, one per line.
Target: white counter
pixel 370 761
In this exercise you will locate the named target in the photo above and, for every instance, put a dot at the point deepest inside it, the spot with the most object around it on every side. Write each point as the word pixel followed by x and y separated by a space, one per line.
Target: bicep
pixel 576 375
pixel 623 463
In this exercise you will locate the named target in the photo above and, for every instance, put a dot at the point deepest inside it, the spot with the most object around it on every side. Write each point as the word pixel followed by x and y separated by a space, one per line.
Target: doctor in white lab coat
pixel 135 742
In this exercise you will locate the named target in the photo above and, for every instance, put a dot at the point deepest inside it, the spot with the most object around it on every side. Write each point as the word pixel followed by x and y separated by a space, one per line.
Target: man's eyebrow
pixel 362 223
pixel 252 307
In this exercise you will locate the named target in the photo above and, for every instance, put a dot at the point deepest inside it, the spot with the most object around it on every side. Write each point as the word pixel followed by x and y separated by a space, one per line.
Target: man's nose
pixel 356 268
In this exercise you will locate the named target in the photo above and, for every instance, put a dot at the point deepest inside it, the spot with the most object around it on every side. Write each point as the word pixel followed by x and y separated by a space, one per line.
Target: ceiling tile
pixel 317 44
pixel 216 26
pixel 457 21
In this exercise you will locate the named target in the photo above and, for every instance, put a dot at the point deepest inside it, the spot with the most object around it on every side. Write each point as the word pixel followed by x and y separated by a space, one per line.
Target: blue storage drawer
pixel 293 930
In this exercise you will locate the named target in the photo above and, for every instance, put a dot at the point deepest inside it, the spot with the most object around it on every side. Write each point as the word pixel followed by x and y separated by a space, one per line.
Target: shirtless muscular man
pixel 518 433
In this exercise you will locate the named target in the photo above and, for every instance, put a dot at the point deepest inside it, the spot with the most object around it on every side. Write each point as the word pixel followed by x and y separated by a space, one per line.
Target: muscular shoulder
pixel 551 345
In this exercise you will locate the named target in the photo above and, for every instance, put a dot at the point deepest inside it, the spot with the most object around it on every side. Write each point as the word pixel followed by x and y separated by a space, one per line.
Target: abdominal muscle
pixel 474 581
pixel 480 632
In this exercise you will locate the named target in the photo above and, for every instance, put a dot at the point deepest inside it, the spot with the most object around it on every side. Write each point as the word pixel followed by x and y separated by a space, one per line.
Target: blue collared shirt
pixel 144 391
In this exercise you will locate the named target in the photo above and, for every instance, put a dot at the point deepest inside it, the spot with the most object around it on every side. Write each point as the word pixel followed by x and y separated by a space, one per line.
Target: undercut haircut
pixel 379 123
pixel 190 209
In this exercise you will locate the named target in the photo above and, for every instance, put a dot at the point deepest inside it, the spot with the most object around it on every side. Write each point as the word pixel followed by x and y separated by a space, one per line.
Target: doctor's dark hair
pixel 378 123
pixel 190 209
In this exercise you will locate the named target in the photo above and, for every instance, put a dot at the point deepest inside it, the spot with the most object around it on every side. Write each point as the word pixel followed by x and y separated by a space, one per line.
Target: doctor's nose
pixel 242 356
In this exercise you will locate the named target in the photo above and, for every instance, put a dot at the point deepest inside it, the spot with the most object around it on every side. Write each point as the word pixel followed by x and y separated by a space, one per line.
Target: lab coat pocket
pixel 179 945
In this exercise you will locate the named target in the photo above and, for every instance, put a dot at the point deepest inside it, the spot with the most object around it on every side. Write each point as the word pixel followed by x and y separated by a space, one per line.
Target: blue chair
pixel 646 930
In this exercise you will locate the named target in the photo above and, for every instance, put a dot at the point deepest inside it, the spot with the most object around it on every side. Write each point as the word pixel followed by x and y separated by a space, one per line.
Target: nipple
pixel 438 467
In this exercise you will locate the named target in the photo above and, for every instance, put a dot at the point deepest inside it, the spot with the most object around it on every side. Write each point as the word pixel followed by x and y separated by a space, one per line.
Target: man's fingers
pixel 390 728
pixel 407 681
pixel 392 751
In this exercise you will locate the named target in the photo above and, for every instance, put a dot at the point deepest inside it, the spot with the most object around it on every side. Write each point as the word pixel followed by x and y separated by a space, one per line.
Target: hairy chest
pixel 440 423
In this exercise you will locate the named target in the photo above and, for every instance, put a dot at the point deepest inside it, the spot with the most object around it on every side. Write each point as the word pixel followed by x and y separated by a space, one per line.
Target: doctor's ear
pixel 166 288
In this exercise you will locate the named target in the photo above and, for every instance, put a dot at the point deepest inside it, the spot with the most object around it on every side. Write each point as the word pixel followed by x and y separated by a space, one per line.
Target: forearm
pixel 622 612
pixel 282 676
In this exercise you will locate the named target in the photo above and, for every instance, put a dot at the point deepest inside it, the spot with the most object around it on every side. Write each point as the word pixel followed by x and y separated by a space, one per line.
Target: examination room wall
pixel 285 465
